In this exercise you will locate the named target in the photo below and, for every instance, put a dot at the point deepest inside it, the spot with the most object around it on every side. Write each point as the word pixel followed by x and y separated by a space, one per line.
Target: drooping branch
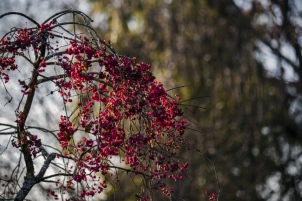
pixel 62 13
pixel 21 14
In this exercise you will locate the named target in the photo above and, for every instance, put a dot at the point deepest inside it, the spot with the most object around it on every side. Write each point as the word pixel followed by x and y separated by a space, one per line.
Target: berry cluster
pixel 212 195
pixel 31 141
pixel 122 108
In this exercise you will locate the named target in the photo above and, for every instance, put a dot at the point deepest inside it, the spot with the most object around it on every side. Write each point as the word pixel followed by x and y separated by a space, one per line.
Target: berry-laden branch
pixel 119 109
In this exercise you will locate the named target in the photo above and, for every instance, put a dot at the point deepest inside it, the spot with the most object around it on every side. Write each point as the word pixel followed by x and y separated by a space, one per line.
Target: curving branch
pixel 21 14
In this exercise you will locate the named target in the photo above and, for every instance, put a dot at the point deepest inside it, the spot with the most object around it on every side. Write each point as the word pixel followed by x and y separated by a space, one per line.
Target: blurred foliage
pixel 251 127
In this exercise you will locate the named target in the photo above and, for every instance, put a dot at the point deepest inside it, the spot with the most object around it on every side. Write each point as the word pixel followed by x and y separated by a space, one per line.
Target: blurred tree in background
pixel 246 57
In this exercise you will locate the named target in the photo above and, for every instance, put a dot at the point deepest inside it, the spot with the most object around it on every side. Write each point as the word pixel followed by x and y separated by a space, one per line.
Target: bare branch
pixel 21 14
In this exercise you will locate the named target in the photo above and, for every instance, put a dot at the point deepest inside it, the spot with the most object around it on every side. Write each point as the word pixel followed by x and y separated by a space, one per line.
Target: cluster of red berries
pixel 135 119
